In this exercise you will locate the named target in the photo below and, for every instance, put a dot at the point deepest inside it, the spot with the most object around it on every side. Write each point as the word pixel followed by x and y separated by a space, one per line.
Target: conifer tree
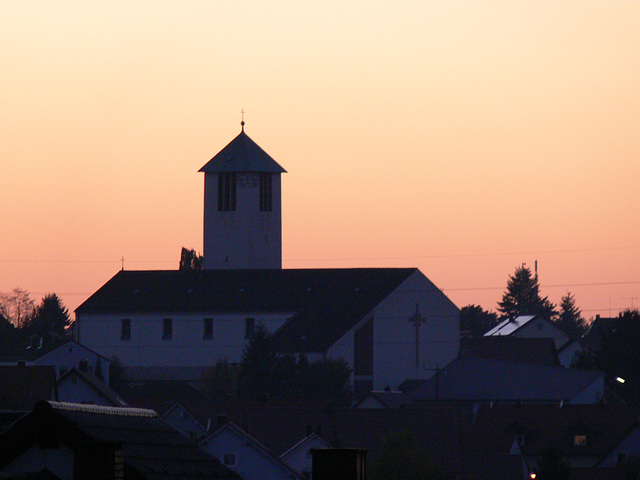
pixel 523 297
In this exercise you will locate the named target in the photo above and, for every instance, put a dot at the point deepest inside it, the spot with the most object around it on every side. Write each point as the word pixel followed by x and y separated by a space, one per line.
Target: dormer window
pixel 580 440
pixel 167 329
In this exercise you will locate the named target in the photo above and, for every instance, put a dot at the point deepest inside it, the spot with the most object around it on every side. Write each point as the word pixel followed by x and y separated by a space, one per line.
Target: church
pixel 388 324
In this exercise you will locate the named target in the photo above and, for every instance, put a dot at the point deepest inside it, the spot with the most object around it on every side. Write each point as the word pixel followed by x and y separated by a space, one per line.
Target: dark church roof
pixel 242 155
pixel 325 303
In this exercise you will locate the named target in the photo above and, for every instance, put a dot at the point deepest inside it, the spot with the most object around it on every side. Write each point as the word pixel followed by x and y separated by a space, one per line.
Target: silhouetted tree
pixel 523 296
pixel 329 379
pixel 475 321
pixel 220 380
pixel 190 260
pixel 570 317
pixel 620 355
pixel 257 366
pixel 17 307
pixel 51 317
pixel 552 466
pixel 401 458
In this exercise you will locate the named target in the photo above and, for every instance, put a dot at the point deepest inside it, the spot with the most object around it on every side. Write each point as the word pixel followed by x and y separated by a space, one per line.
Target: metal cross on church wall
pixel 417 320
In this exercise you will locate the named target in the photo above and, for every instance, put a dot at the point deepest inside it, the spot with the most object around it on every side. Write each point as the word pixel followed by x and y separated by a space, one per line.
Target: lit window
pixel 207 329
pixel 226 191
pixel 167 329
pixel 249 327
pixel 125 329
pixel 580 440
pixel 266 197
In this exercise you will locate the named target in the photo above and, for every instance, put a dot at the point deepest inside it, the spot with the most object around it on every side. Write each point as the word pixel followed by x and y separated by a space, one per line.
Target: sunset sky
pixel 461 137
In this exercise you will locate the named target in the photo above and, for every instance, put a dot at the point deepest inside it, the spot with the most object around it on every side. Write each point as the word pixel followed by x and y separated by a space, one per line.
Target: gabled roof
pixel 21 387
pixel 242 155
pixel 248 439
pixel 480 379
pixel 151 448
pixel 324 303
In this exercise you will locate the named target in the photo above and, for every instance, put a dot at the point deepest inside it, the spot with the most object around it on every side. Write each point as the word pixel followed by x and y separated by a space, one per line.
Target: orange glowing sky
pixel 462 137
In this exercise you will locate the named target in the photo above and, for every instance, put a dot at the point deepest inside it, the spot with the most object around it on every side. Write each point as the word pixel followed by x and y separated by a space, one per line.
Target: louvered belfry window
pixel 226 191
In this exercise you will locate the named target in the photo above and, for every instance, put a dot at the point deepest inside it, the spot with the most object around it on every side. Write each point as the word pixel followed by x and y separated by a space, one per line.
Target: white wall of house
pixel 630 446
pixel 58 461
pixel 180 419
pixel 69 355
pixel 251 463
pixel 187 346
pixel 541 328
pixel 75 390
pixel 394 336
pixel 591 394
pixel 299 457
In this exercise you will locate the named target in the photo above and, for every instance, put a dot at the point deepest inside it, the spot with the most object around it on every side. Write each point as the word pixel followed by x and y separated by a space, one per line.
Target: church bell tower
pixel 242 208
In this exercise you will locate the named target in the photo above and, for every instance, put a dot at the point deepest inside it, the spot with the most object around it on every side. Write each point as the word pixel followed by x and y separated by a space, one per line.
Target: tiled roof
pixel 325 302
pixel 479 379
pixel 152 449
pixel 21 387
pixel 540 426
pixel 515 349
pixel 242 155
pixel 436 430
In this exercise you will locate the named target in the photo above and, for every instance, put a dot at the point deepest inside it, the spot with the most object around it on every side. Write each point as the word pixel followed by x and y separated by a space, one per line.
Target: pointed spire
pixel 242 122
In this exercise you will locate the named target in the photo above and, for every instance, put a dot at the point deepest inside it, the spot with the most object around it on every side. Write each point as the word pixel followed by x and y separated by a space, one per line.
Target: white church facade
pixel 389 324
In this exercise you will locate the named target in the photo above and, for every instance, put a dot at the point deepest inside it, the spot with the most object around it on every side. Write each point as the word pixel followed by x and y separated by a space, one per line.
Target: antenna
pixel 242 122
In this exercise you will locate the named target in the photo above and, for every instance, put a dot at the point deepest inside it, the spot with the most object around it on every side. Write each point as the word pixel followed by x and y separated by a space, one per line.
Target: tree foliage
pixel 264 374
pixel 401 458
pixel 50 318
pixel 570 317
pixel 475 321
pixel 190 260
pixel 523 296
pixel 552 466
pixel 620 355
pixel 17 306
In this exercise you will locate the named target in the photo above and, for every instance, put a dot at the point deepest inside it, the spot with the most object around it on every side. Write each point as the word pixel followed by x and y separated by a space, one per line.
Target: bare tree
pixel 17 307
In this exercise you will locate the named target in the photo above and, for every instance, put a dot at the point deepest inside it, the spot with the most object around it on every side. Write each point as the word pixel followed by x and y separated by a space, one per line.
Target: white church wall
pixel 187 346
pixel 394 351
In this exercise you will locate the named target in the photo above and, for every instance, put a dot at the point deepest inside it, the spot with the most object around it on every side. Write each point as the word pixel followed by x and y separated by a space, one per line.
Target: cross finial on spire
pixel 242 122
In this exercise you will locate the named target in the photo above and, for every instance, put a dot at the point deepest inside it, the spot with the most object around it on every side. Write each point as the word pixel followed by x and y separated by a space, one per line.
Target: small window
pixel 249 327
pixel 207 326
pixel 229 459
pixel 266 197
pixel 167 329
pixel 125 329
pixel 580 440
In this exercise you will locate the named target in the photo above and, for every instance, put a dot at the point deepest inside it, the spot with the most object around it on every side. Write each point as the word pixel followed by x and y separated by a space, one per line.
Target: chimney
pixel 338 464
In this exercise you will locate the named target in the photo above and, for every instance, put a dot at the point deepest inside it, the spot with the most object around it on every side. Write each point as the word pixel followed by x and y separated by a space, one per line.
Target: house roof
pixel 238 432
pixel 242 155
pixel 152 449
pixel 325 303
pixel 514 349
pixel 437 430
pixel 539 426
pixel 510 325
pixel 480 379
pixel 21 386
